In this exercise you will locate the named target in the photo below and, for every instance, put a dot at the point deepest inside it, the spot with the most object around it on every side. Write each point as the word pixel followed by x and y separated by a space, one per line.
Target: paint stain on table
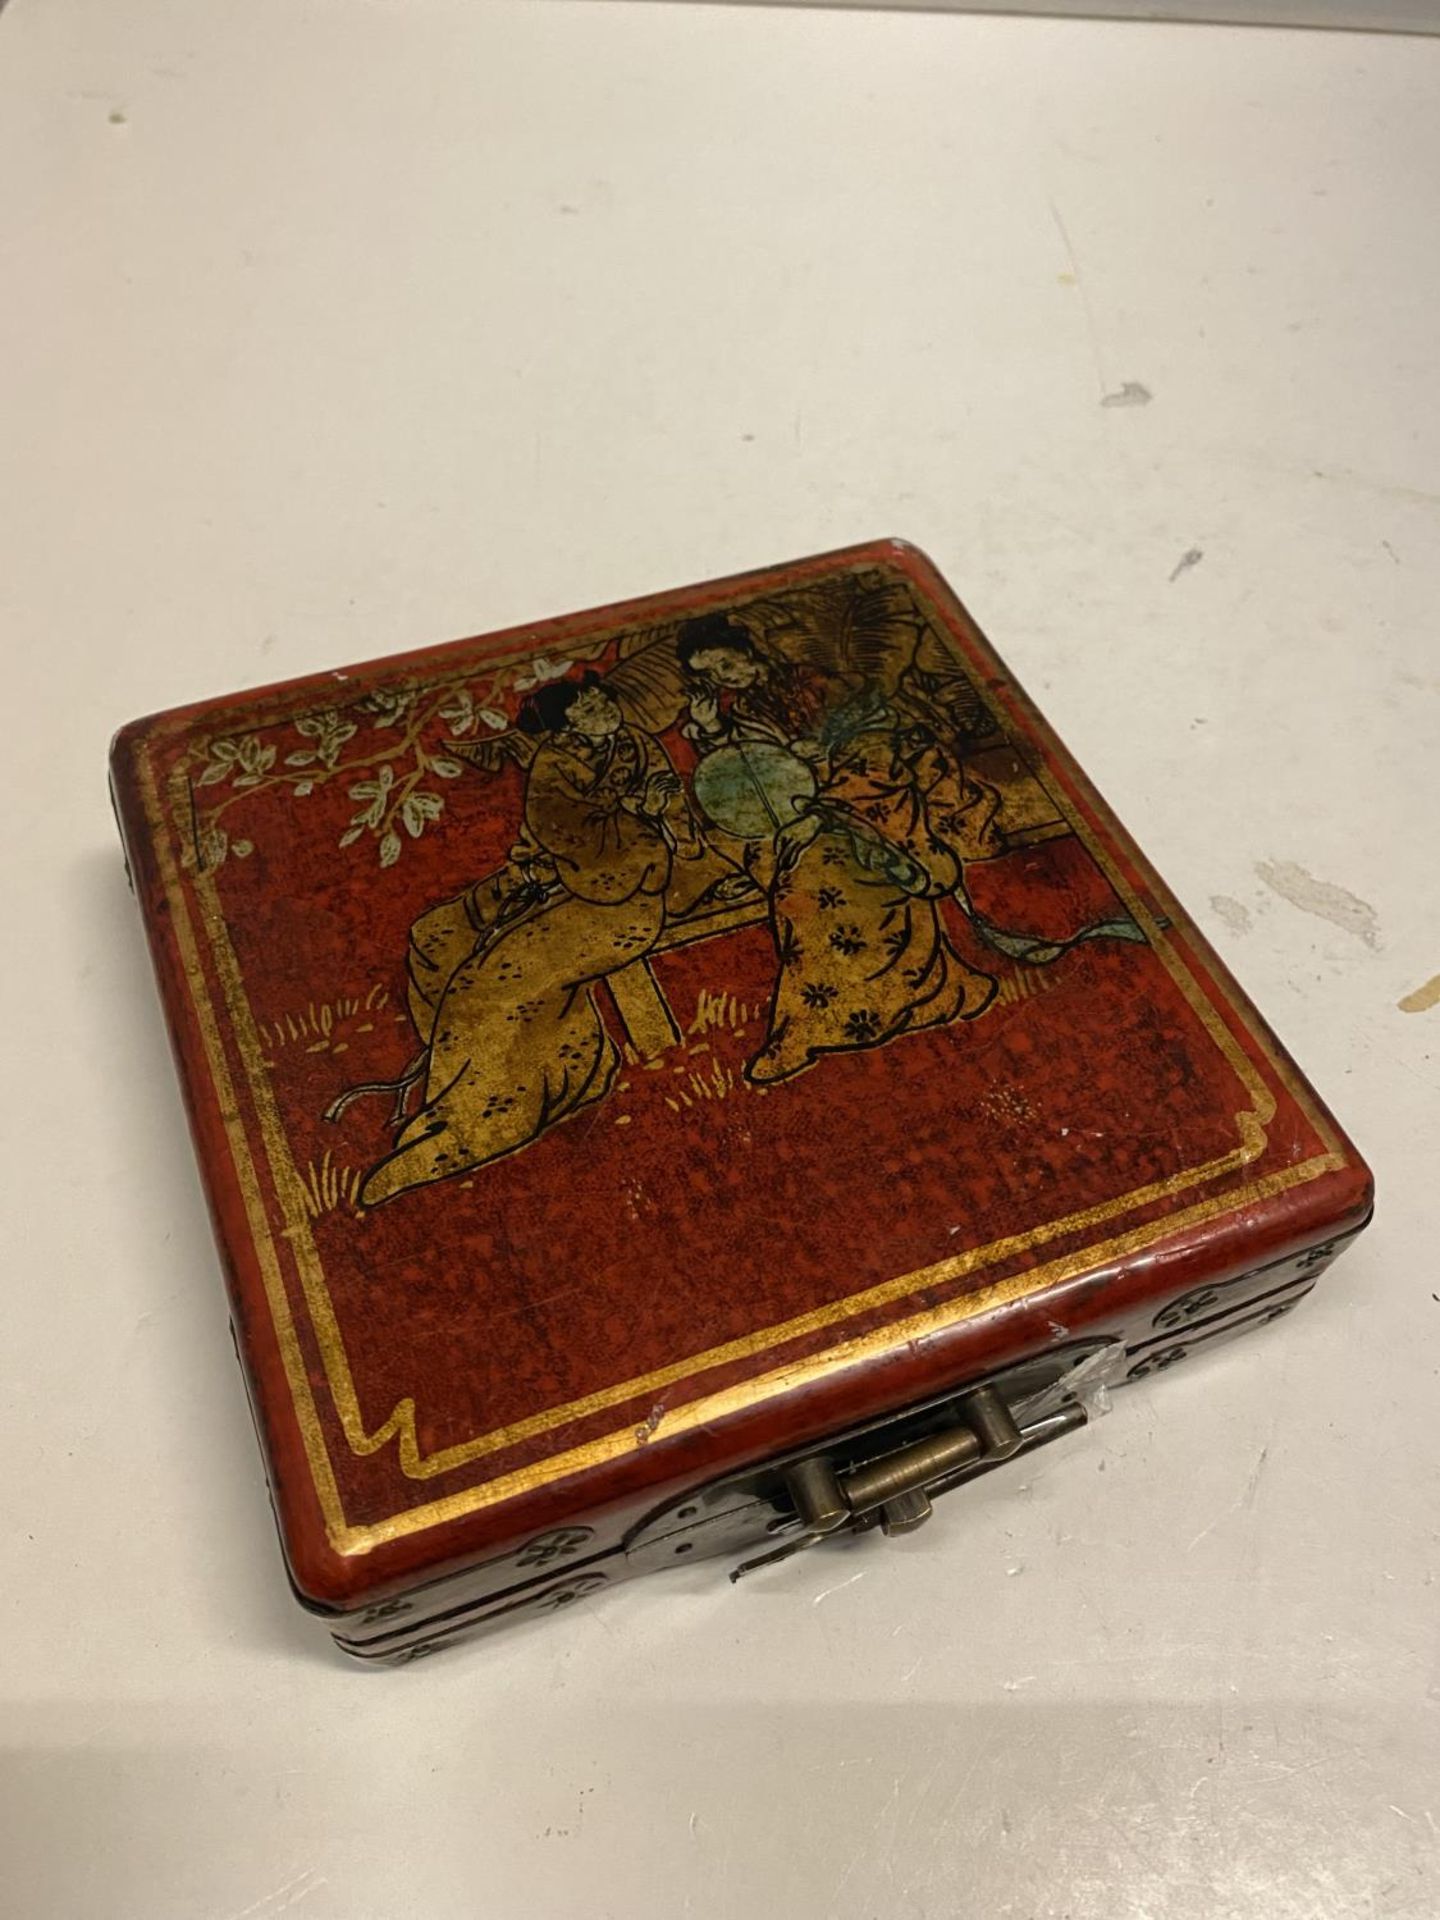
pixel 1423 998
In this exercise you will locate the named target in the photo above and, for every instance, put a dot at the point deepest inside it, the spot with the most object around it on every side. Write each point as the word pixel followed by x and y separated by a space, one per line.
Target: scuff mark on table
pixel 1132 393
pixel 1235 915
pixel 1323 898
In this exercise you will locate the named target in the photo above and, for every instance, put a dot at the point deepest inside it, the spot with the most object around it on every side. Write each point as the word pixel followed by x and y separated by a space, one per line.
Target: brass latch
pixel 883 1475
pixel 894 1492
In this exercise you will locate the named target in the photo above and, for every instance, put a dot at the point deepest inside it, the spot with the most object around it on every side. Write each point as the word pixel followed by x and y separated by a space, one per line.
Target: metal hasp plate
pixel 883 1476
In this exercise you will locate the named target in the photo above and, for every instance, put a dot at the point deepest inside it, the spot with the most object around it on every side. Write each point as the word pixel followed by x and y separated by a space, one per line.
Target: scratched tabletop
pixel 329 330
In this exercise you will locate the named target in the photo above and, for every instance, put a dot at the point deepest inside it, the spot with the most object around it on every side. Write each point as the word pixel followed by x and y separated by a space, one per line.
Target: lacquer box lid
pixel 622 1047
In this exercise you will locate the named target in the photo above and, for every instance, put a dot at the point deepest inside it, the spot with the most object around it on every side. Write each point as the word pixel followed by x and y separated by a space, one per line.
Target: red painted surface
pixel 661 1224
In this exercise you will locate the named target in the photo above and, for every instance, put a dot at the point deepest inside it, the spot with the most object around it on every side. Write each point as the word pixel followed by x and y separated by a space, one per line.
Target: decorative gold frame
pixel 400 1426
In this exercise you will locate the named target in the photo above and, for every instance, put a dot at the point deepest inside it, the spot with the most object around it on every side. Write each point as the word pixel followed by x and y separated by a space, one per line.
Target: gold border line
pixel 921 1326
pixel 401 1426
pixel 307 1415
pixel 1262 1100
pixel 1099 848
pixel 401 1421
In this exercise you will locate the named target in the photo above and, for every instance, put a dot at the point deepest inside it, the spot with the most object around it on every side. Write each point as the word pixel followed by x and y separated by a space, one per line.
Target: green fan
pixel 752 789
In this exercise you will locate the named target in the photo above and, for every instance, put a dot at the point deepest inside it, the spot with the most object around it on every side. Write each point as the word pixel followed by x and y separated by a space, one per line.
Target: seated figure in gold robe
pixel 501 978
pixel 863 957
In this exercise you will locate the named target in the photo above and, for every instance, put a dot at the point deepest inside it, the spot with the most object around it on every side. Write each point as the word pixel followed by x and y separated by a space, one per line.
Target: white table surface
pixel 331 328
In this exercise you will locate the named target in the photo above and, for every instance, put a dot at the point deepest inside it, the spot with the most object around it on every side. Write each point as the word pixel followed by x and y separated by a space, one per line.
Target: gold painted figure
pixel 832 736
pixel 501 979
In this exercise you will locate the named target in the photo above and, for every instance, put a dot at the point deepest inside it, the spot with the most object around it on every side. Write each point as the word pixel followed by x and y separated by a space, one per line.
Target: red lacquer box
pixel 690 1079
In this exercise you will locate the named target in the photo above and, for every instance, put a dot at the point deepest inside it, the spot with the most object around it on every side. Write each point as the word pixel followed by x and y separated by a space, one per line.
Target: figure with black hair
pixel 514 1041
pixel 738 691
